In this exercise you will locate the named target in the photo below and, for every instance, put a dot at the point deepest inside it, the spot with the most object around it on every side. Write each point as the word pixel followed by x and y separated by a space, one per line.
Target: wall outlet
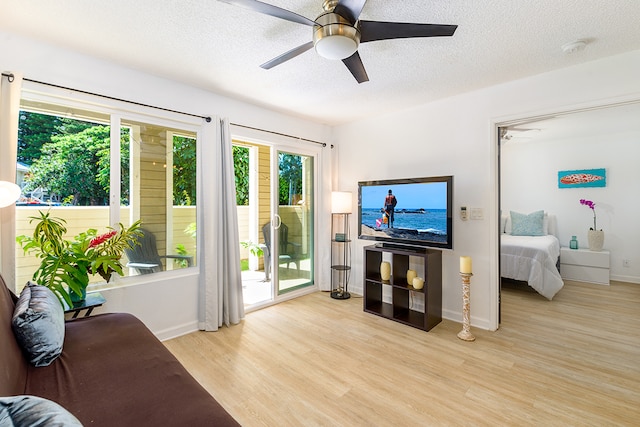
pixel 626 263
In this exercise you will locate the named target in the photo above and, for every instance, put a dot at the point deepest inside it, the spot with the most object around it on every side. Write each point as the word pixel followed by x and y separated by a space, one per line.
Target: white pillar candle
pixel 465 264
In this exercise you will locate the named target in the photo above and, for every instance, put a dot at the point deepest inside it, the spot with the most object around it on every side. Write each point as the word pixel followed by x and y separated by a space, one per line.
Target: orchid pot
pixel 595 237
pixel 596 240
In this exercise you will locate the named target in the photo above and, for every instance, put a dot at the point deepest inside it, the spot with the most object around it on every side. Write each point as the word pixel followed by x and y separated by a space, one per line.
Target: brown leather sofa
pixel 112 372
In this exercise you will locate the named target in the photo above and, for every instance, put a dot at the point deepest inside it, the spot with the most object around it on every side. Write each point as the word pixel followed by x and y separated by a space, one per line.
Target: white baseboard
pixel 456 316
pixel 176 331
pixel 629 279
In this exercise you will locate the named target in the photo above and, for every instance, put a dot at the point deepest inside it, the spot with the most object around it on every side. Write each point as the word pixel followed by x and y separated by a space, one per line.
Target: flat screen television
pixel 422 216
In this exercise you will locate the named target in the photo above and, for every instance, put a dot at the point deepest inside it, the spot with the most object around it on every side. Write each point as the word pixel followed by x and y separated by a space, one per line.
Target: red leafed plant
pixel 65 265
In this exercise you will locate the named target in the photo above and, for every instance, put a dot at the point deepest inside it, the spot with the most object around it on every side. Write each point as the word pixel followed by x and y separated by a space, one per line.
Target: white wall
pixel 168 307
pixel 529 178
pixel 457 136
pixel 453 136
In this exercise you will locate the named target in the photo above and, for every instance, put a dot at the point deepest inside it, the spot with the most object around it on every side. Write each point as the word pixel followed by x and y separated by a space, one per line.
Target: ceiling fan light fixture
pixel 336 47
pixel 334 37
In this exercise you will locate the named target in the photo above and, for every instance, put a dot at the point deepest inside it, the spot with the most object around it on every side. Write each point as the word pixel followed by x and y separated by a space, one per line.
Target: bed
pixel 532 259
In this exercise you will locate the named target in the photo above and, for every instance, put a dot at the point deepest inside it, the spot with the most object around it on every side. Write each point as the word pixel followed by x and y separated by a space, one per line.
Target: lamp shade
pixel 336 47
pixel 9 193
pixel 341 202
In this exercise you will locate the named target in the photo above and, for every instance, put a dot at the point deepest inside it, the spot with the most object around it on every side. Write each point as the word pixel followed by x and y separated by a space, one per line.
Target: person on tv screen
pixel 390 203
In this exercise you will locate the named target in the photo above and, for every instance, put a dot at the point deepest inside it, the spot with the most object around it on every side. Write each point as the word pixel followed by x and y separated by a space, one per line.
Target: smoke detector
pixel 574 46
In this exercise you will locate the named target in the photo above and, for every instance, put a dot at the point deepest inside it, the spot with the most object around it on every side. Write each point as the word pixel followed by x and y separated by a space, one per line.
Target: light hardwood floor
pixel 315 361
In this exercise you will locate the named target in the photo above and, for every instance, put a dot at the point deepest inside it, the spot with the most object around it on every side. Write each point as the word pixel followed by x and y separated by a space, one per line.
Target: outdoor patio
pixel 256 289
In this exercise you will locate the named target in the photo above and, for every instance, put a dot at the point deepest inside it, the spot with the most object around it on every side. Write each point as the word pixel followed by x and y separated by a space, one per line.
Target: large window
pixel 72 163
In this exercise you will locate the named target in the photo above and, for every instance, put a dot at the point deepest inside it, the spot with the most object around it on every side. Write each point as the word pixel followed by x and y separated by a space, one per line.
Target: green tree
pixel 76 165
pixel 184 171
pixel 37 129
pixel 241 169
pixel 290 166
pixel 34 131
pixel 70 126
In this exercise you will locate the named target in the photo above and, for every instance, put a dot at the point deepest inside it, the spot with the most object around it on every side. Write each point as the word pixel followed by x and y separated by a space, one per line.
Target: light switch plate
pixel 477 213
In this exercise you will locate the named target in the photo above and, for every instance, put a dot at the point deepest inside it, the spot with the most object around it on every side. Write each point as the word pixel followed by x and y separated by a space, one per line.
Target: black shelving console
pixel 400 307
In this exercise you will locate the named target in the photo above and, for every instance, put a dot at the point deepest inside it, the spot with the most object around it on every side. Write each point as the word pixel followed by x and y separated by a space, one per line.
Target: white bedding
pixel 532 259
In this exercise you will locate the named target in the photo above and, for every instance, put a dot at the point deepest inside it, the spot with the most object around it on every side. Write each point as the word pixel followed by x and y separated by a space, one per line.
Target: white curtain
pixel 220 295
pixel 10 86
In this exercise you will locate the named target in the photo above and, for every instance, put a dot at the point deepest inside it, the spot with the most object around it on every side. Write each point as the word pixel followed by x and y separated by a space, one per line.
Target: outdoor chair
pixel 144 257
pixel 289 251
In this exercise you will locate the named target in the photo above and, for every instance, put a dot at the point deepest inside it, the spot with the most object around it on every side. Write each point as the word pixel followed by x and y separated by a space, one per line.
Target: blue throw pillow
pixel 38 324
pixel 32 411
pixel 527 225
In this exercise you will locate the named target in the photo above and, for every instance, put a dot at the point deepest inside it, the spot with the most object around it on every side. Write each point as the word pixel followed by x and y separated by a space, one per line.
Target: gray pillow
pixel 32 411
pixel 527 225
pixel 38 324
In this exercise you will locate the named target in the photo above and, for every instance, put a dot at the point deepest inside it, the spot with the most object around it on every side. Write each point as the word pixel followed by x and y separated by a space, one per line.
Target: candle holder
pixel 465 334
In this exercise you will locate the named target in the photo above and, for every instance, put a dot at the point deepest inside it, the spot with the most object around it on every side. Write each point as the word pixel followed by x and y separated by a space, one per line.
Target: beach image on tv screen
pixel 420 212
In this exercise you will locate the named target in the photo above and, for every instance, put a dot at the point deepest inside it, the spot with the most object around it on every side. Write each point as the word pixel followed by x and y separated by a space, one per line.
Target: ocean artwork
pixel 582 178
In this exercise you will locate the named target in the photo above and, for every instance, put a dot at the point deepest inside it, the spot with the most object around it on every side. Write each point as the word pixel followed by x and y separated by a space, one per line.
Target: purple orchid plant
pixel 592 206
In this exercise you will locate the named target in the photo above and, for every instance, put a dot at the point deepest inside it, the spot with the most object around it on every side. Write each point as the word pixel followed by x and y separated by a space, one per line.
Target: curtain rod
pixel 324 144
pixel 10 77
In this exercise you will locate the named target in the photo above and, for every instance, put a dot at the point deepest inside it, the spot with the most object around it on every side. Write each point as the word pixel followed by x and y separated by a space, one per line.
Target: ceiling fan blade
pixel 377 30
pixel 267 9
pixel 287 56
pixel 355 65
pixel 350 9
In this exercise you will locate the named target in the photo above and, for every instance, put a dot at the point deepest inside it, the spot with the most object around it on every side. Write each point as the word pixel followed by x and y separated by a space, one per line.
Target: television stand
pixel 403 306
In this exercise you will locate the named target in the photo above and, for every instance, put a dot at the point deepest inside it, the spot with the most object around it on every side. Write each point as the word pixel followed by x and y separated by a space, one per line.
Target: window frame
pixel 68 102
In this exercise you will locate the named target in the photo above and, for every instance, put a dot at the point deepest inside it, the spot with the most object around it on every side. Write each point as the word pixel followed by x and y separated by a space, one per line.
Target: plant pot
pixel 75 298
pixel 596 240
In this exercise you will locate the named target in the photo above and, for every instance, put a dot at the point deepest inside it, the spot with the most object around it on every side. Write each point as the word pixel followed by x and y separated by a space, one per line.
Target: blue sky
pixel 428 195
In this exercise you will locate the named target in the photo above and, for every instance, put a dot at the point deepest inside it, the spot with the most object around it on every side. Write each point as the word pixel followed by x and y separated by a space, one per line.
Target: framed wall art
pixel 582 178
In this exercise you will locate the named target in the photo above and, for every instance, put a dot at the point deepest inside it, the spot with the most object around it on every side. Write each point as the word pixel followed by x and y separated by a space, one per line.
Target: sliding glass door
pixel 275 185
pixel 292 226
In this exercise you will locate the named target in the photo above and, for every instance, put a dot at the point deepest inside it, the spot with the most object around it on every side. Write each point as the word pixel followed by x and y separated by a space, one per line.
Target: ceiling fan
pixel 337 32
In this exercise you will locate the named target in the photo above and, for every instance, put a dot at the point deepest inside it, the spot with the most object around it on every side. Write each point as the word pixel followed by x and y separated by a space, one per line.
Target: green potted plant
pixel 190 231
pixel 65 266
pixel 254 248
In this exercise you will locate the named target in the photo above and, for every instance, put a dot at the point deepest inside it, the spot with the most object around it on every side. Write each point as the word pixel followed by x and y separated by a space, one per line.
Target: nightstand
pixel 584 265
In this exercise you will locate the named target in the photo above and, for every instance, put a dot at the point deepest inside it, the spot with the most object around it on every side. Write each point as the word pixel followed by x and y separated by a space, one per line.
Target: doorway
pixel 276 221
pixel 532 151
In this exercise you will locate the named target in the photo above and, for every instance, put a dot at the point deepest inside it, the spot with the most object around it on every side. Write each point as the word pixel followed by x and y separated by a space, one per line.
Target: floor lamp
pixel 341 202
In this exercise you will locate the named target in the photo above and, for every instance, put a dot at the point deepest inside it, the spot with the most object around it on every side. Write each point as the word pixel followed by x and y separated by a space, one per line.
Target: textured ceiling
pixel 219 47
